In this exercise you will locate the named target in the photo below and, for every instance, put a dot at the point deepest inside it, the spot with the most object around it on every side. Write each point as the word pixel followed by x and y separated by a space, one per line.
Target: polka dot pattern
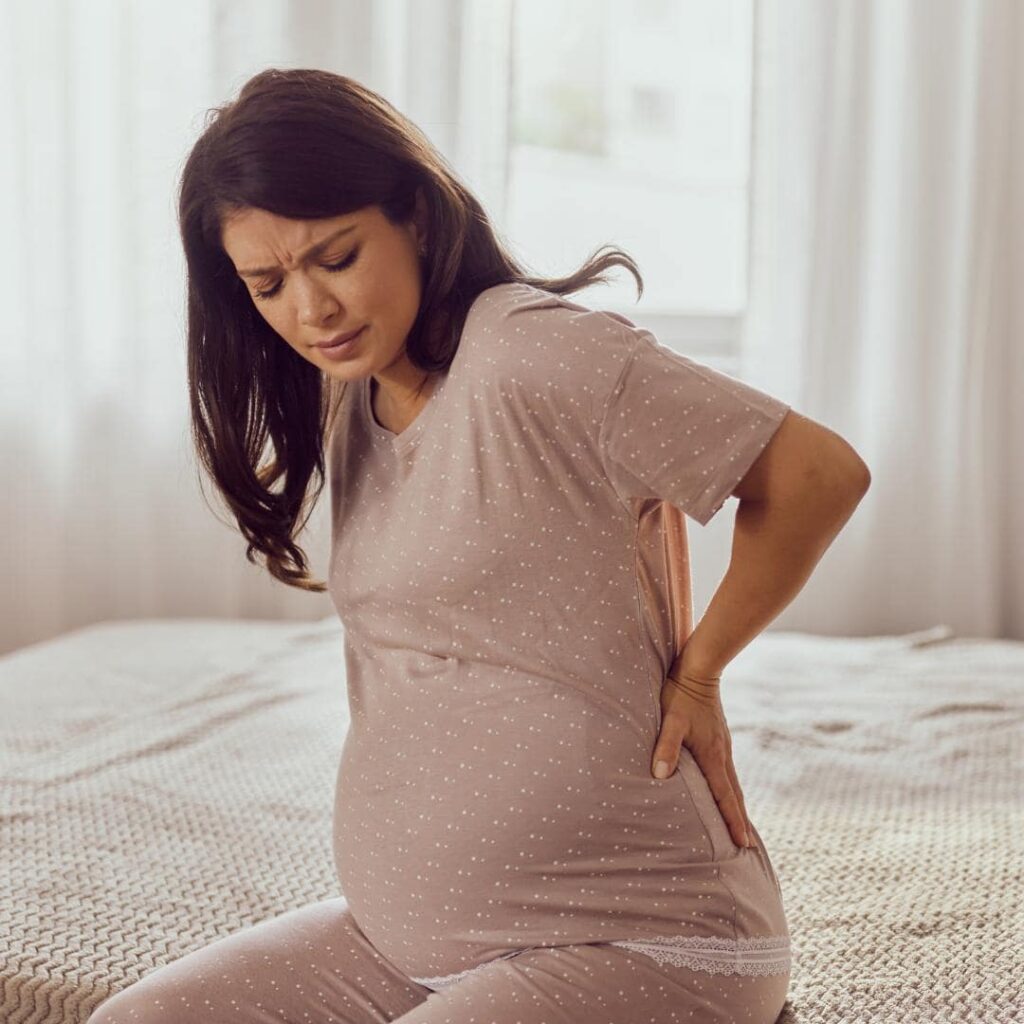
pixel 314 965
pixel 500 570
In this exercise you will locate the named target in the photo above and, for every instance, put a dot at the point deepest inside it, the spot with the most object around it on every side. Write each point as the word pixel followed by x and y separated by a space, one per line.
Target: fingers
pixel 721 776
pixel 714 758
pixel 745 829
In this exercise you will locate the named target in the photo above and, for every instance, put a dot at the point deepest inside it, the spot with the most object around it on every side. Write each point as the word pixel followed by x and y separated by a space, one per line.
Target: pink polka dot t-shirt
pixel 511 574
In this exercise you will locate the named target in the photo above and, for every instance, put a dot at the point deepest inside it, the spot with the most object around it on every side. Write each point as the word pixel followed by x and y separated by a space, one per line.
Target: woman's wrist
pixel 697 677
pixel 699 688
pixel 698 674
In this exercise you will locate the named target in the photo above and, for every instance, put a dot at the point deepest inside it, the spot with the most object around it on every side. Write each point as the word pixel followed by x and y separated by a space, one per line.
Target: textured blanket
pixel 164 783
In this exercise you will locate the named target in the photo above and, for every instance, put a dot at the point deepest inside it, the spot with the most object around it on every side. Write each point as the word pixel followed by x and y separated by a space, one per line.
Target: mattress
pixel 167 782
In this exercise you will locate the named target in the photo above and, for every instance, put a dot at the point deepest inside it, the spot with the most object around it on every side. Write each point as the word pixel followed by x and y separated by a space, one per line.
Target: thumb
pixel 666 749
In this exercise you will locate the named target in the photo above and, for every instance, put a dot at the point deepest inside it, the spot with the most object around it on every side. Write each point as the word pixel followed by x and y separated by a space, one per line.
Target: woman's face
pixel 314 279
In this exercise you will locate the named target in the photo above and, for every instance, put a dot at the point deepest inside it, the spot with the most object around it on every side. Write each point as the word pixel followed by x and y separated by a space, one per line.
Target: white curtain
pixel 886 228
pixel 887 295
pixel 103 516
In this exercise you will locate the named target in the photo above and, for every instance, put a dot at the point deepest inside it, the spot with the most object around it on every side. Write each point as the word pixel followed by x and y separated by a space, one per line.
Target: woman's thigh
pixel 308 965
pixel 597 983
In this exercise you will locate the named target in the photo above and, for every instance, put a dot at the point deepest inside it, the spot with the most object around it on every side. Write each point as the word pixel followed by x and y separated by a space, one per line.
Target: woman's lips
pixel 342 348
pixel 338 339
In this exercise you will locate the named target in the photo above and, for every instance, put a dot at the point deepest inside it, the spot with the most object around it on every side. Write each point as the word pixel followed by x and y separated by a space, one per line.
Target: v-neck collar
pixel 414 431
pixel 405 437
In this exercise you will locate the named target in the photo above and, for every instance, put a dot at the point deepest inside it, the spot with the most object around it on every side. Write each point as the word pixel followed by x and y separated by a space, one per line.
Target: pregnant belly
pixel 498 829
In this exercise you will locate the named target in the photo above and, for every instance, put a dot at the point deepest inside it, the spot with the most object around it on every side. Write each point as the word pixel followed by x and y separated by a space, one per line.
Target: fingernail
pixel 750 839
pixel 661 770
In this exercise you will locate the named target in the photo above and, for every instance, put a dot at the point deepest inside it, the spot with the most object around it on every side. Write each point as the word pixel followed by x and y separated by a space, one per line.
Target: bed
pixel 166 782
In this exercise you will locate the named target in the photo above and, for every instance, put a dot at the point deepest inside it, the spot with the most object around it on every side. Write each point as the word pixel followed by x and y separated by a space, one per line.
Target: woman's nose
pixel 316 304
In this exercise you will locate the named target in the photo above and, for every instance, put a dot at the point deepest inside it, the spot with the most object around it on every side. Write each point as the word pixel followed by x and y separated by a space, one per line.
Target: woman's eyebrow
pixel 312 251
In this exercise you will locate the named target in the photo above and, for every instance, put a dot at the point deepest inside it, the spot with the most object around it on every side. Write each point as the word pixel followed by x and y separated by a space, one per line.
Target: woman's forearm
pixel 775 547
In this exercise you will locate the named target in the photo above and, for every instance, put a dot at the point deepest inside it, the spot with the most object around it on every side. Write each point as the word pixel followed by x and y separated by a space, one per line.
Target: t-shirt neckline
pixel 410 433
pixel 414 431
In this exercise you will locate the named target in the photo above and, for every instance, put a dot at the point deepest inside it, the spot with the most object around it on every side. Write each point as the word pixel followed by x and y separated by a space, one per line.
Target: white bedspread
pixel 163 783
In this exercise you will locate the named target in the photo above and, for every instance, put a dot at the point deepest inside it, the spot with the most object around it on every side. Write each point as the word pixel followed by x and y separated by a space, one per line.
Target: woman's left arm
pixel 794 500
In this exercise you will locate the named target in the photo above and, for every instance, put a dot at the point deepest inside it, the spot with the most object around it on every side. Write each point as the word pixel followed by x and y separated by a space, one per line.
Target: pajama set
pixel 511 573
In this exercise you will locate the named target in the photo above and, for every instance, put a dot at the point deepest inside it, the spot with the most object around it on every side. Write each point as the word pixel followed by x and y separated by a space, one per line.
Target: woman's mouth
pixel 341 348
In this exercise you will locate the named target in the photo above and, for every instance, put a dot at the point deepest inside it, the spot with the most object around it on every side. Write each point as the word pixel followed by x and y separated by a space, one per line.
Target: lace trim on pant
pixel 450 979
pixel 769 954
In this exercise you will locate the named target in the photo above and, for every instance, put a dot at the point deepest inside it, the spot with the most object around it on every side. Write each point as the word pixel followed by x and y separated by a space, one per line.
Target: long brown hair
pixel 307 143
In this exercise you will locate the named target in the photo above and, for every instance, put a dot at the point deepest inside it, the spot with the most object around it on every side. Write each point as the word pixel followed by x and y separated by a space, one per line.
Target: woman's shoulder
pixel 542 308
pixel 535 335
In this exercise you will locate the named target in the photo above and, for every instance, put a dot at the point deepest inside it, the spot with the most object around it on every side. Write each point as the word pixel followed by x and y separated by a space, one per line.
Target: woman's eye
pixel 267 294
pixel 332 267
pixel 346 262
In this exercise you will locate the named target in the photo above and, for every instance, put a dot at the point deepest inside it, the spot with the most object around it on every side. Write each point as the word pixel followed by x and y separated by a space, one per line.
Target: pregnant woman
pixel 537 816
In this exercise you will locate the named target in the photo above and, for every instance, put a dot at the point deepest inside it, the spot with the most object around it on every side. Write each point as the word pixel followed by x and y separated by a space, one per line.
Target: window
pixel 625 122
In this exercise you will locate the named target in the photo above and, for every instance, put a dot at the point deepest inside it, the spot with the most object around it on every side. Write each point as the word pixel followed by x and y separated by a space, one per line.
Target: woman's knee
pixel 148 1002
pixel 311 963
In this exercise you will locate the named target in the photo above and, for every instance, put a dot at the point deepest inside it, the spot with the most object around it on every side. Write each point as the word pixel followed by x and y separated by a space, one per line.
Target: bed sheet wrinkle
pixel 914 896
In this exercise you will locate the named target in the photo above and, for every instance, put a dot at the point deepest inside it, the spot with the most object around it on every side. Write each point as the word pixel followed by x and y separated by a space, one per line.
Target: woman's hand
pixel 691 713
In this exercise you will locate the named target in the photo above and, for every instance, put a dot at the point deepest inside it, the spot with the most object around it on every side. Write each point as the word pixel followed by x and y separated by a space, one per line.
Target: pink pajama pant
pixel 314 965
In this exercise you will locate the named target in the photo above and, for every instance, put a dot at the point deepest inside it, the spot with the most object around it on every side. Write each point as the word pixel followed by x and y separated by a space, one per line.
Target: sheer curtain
pixel 887 295
pixel 886 227
pixel 104 517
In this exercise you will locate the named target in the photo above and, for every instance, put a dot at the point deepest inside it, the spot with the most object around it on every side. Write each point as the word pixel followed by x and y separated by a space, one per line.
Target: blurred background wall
pixel 823 196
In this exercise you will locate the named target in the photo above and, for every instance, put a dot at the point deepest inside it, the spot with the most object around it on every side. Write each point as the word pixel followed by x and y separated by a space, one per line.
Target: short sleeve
pixel 678 430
